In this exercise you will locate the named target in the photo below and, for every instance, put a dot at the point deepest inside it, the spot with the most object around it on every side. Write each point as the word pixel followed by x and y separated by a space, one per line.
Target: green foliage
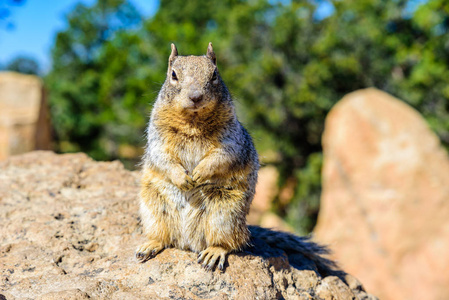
pixel 284 64
pixel 304 211
pixel 25 65
pixel 98 81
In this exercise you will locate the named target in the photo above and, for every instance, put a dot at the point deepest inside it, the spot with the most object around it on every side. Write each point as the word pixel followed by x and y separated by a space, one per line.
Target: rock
pixel 75 294
pixel 273 221
pixel 266 191
pixel 333 288
pixel 24 116
pixel 70 227
pixel 384 207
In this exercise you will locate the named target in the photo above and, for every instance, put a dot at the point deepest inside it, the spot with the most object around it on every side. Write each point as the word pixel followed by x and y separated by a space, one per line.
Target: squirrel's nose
pixel 196 96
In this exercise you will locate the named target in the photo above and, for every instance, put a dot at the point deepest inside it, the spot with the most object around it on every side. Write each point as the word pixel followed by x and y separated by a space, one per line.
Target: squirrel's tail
pixel 300 250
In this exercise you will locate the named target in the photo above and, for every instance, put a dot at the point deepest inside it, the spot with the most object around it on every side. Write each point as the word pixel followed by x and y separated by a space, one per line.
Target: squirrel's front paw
pixel 182 180
pixel 202 172
pixel 186 183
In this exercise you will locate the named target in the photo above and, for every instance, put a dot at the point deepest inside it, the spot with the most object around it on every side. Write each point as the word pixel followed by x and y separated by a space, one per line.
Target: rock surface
pixel 24 117
pixel 266 191
pixel 385 201
pixel 69 227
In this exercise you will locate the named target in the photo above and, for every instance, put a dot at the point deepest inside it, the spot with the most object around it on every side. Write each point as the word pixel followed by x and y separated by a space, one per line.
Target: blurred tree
pixel 94 79
pixel 25 65
pixel 284 61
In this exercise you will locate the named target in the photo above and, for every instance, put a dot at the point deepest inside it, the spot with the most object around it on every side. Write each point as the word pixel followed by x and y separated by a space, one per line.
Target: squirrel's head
pixel 193 83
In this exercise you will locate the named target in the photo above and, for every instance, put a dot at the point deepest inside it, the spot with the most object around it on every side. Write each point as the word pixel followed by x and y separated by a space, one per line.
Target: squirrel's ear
pixel 211 54
pixel 174 53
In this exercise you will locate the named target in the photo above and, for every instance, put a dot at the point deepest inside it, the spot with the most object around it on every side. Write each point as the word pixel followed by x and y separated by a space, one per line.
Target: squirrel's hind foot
pixel 208 258
pixel 148 250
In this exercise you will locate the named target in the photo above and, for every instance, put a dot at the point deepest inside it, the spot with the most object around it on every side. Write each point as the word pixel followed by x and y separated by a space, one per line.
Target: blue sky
pixel 36 23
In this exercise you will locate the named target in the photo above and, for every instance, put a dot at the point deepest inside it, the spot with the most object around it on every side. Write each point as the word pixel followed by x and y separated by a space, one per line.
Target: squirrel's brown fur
pixel 200 170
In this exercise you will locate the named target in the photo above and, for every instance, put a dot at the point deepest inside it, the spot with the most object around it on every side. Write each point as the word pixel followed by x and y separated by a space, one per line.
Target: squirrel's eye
pixel 214 76
pixel 173 76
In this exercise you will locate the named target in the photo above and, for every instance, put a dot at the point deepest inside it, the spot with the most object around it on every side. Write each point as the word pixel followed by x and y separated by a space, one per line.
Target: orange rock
pixel 24 117
pixel 266 191
pixel 287 191
pixel 70 225
pixel 273 221
pixel 385 201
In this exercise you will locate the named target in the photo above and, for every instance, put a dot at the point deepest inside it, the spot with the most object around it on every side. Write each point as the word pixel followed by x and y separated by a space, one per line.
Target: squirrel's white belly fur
pixel 181 201
pixel 190 157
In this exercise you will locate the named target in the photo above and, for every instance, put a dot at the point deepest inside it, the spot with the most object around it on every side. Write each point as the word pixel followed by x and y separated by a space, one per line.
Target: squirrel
pixel 200 171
